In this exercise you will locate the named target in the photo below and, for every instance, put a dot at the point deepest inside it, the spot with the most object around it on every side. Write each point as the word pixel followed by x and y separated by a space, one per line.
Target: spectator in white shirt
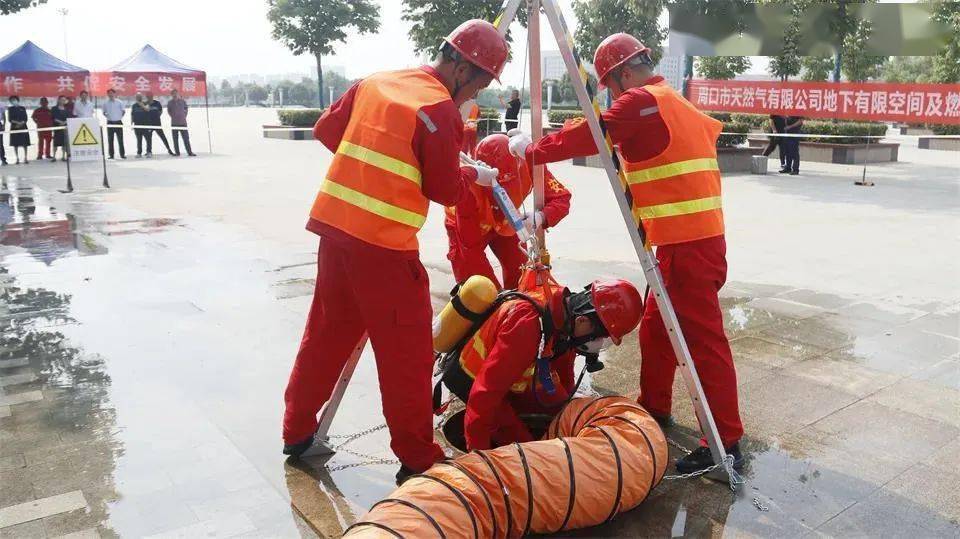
pixel 113 111
pixel 84 107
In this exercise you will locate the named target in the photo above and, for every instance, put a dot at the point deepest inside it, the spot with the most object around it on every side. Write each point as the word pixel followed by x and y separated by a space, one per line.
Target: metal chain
pixel 366 460
pixel 698 473
pixel 759 505
pixel 735 479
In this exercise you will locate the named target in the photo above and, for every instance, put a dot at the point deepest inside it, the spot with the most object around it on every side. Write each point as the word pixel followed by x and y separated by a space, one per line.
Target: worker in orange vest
pixel 470 113
pixel 668 150
pixel 501 372
pixel 477 222
pixel 396 140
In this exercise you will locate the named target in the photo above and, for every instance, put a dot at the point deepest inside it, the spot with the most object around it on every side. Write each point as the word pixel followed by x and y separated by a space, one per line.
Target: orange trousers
pixel 693 273
pixel 387 295
pixel 471 259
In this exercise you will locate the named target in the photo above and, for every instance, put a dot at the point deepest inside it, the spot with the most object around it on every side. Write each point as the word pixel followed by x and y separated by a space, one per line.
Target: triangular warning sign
pixel 84 137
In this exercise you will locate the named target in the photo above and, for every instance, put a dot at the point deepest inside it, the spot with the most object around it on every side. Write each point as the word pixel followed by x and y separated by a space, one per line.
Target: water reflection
pixel 65 440
pixel 28 219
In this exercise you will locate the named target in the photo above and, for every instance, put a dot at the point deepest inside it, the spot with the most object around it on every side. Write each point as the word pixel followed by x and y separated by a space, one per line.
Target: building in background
pixel 551 65
pixel 670 68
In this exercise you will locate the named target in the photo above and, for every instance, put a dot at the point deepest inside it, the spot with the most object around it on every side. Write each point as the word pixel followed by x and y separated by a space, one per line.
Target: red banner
pixel 189 85
pixel 885 102
pixel 44 84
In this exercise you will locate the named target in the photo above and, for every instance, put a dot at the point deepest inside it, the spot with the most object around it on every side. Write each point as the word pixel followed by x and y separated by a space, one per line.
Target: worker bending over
pixel 499 373
pixel 396 138
pixel 668 150
pixel 477 222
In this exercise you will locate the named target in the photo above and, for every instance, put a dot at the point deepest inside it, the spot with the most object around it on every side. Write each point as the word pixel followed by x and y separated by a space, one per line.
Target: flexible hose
pixel 600 457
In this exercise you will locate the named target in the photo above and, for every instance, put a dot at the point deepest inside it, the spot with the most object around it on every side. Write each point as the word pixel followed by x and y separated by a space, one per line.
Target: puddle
pixel 28 219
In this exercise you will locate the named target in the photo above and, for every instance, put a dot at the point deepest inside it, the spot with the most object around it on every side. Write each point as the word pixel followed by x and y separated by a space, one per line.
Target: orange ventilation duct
pixel 600 457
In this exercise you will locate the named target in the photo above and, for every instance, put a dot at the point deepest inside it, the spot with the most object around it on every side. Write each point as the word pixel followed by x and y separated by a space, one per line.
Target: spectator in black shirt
pixel 60 114
pixel 140 115
pixel 794 125
pixel 156 111
pixel 776 125
pixel 513 110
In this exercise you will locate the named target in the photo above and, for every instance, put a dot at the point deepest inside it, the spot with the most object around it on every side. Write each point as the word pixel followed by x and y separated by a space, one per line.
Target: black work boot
pixel 299 448
pixel 701 459
pixel 403 473
pixel 665 421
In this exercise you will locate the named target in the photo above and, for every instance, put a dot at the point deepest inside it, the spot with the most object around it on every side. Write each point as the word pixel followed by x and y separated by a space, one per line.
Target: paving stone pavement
pixel 148 332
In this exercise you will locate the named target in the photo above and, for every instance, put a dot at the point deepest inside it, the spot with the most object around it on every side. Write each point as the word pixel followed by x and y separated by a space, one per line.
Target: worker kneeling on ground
pixel 669 155
pixel 501 372
pixel 477 222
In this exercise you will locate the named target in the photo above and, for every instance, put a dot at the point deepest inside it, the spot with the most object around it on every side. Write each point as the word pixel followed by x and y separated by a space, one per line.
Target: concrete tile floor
pixel 142 361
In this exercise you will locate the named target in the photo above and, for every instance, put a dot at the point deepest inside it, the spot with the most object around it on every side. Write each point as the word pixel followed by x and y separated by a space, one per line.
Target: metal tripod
pixel 611 164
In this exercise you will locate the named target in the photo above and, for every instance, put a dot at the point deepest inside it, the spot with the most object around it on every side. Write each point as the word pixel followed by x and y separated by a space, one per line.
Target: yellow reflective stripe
pixel 373 205
pixel 672 169
pixel 379 160
pixel 678 208
pixel 479 347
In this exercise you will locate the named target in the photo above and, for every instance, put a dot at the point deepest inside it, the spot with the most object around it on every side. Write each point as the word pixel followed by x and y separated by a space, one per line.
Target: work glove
pixel 485 174
pixel 519 142
pixel 533 220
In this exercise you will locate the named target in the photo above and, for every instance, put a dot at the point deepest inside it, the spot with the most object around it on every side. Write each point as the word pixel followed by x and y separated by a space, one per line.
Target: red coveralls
pixel 362 287
pixel 693 272
pixel 491 418
pixel 477 223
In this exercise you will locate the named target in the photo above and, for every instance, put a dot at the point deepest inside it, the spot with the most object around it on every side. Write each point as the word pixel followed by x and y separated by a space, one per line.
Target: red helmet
pixel 481 44
pixel 619 306
pixel 614 51
pixel 494 150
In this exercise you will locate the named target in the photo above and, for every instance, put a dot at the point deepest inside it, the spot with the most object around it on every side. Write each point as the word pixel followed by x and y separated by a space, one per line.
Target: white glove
pixel 519 142
pixel 534 220
pixel 485 175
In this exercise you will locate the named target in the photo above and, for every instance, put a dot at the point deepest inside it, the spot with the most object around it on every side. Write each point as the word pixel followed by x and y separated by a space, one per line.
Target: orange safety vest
pixel 373 187
pixel 474 352
pixel 490 217
pixel 676 194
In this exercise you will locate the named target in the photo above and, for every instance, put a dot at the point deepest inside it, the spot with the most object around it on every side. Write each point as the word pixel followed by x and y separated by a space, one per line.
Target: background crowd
pixel 146 114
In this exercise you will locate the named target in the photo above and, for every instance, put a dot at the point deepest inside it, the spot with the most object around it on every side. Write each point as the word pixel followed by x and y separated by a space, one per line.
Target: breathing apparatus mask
pixel 590 345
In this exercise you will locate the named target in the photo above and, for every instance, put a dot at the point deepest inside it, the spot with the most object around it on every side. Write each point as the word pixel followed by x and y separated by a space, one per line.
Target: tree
pixel 908 69
pixel 816 68
pixel 721 67
pixel 434 19
pixel 597 19
pixel 787 63
pixel 856 64
pixel 946 64
pixel 12 6
pixel 314 26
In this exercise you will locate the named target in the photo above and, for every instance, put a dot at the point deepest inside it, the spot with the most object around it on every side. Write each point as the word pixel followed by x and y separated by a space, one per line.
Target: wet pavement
pixel 148 332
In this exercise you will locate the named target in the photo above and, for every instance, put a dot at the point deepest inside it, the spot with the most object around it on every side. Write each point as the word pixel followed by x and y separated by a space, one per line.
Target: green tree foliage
pixel 721 67
pixel 946 64
pixel 597 19
pixel 787 63
pixel 908 69
pixel 434 19
pixel 816 68
pixel 856 64
pixel 12 6
pixel 315 26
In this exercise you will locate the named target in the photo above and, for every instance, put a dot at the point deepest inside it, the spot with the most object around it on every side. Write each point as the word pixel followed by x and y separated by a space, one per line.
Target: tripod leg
pixel 321 441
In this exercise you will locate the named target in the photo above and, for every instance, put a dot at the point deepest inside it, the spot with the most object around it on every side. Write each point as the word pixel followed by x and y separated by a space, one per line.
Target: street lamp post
pixel 64 12
pixel 330 101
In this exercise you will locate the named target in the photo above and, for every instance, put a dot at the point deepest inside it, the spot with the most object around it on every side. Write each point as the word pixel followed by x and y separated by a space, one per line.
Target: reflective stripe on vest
pixel 372 205
pixel 676 194
pixel 672 169
pixel 372 189
pixel 379 160
pixel 677 208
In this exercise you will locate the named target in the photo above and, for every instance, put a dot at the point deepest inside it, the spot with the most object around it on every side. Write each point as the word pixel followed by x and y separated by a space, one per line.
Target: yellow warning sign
pixel 84 137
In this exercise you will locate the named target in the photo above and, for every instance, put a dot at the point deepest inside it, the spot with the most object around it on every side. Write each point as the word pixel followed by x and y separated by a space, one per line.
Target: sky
pixel 222 37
